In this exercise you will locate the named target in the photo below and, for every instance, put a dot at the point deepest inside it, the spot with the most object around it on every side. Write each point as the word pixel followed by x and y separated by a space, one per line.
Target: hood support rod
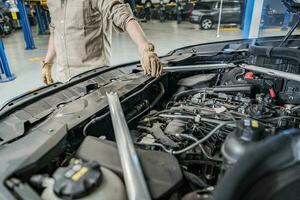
pixel 133 175
pixel 272 72
pixel 199 67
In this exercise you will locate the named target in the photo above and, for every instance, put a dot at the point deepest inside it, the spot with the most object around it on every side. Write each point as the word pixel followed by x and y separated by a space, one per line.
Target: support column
pixel 47 14
pixel 27 32
pixel 178 12
pixel 40 20
pixel 46 18
pixel 253 16
pixel 286 22
pixel 5 73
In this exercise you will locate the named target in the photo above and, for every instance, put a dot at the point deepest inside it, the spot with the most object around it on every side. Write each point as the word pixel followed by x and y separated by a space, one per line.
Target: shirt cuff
pixel 125 15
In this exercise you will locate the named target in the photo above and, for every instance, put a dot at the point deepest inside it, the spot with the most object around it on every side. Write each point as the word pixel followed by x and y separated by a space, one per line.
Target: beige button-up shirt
pixel 82 33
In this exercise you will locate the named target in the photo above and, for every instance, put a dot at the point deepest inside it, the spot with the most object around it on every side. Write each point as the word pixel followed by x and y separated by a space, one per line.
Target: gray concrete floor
pixel 25 64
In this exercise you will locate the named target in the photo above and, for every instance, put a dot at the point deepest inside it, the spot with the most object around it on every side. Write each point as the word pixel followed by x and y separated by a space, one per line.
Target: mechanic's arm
pixel 48 62
pixel 149 60
pixel 123 20
pixel 51 51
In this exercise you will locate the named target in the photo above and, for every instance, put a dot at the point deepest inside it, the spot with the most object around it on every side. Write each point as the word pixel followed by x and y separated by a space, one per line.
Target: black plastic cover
pixel 248 133
pixel 282 59
pixel 277 58
pixel 162 171
pixel 251 171
pixel 290 92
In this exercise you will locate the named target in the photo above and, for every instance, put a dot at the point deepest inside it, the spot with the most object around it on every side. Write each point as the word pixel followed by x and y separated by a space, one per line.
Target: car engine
pixel 217 127
pixel 186 143
pixel 209 129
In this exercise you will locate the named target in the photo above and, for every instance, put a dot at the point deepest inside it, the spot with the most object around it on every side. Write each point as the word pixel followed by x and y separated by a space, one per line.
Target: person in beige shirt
pixel 81 37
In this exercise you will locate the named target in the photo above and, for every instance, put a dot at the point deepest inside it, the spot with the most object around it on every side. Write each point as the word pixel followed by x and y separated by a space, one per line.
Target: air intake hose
pixel 266 157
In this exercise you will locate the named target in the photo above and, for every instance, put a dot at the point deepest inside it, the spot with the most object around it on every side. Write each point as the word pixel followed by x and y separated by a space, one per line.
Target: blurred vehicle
pixel 150 3
pixel 187 9
pixel 206 13
pixel 5 23
pixel 271 17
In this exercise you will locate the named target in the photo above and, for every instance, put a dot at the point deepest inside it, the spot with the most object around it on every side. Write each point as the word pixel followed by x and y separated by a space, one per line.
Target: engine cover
pixel 162 171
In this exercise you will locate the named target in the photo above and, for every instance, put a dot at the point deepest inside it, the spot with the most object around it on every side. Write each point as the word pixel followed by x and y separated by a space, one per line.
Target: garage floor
pixel 25 64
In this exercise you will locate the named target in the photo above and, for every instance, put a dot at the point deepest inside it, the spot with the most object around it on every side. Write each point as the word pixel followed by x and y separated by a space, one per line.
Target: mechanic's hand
pixel 150 61
pixel 46 73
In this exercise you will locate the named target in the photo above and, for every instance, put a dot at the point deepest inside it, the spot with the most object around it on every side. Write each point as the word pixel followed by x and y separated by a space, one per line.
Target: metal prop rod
pixel 198 67
pixel 272 72
pixel 289 33
pixel 133 174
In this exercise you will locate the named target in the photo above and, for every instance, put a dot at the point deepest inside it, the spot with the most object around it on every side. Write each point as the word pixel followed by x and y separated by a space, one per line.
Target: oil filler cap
pixel 78 180
pixel 250 130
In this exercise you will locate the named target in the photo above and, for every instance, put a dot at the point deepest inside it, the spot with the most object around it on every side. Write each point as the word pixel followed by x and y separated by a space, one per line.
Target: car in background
pixel 206 13
pixel 150 3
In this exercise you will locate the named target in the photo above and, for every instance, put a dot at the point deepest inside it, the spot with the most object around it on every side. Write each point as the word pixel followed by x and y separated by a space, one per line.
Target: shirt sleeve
pixel 51 25
pixel 116 11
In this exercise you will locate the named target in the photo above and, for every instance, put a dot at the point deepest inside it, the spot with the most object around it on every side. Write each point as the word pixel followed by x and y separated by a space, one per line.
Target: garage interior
pixel 168 35
pixel 204 106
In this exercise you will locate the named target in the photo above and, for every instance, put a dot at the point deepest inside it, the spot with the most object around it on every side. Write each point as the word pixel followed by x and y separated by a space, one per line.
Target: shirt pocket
pixel 92 16
pixel 92 30
pixel 75 13
pixel 55 8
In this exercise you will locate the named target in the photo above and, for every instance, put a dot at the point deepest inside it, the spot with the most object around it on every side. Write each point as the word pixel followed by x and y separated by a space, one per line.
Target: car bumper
pixel 195 19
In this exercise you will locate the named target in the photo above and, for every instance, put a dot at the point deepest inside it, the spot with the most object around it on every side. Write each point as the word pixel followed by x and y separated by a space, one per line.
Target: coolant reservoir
pixel 248 133
pixel 84 181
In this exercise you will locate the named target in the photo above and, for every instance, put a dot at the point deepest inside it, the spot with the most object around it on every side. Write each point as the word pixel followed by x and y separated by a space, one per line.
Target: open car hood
pixel 43 130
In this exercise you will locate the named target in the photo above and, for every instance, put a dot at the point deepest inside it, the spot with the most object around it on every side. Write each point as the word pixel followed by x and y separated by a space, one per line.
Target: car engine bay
pixel 199 132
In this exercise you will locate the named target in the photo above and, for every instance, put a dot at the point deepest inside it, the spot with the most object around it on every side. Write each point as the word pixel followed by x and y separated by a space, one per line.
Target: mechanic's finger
pixel 147 65
pixel 51 81
pixel 145 69
pixel 159 69
pixel 44 79
pixel 48 79
pixel 153 66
